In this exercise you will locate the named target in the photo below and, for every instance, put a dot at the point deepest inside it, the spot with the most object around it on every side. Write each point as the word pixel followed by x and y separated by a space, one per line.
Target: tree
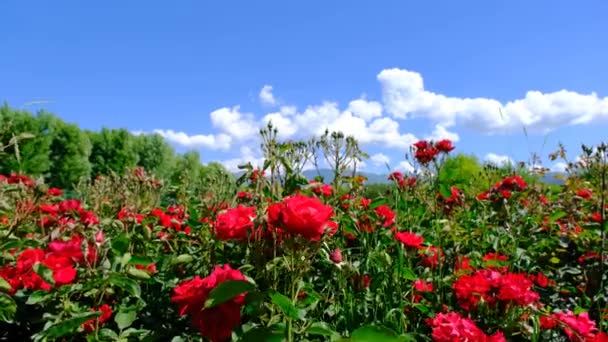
pixel 29 156
pixel 112 151
pixel 69 155
pixel 465 172
pixel 154 154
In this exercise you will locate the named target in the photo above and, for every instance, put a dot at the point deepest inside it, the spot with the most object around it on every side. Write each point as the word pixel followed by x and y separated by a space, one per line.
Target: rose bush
pixel 284 258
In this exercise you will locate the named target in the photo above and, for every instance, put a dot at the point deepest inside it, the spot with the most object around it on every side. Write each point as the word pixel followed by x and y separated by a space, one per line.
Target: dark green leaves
pixel 4 285
pixel 322 329
pixel 8 308
pixel 125 317
pixel 128 285
pixel 44 272
pixel 285 305
pixel 226 291
pixel 262 334
pixel 372 333
pixel 68 326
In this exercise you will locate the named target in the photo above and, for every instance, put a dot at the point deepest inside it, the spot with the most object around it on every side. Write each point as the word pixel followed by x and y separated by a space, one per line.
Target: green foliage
pixel 154 154
pixel 69 153
pixel 113 151
pixel 30 156
pixel 463 171
pixel 62 153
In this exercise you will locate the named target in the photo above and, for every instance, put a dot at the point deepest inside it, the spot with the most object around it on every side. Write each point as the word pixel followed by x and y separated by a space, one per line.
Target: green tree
pixel 29 156
pixel 187 170
pixel 69 155
pixel 154 154
pixel 113 150
pixel 465 172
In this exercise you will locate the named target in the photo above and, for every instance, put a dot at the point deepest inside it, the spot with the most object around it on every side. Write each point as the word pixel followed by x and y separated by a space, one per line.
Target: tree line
pixel 43 145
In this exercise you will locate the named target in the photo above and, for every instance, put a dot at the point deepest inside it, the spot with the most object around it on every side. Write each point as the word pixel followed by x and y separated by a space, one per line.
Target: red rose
pixel 54 192
pixel 306 216
pixel 408 239
pixel 444 146
pixel 336 256
pixel 387 215
pixel 235 223
pixel 578 328
pixel 215 323
pixel 63 269
pixel 92 324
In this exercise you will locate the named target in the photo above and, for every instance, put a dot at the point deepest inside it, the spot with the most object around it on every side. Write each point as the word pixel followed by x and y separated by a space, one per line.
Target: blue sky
pixel 195 70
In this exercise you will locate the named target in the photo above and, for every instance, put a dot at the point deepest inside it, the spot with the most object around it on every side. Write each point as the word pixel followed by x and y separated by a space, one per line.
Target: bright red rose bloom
pixel 387 215
pixel 92 324
pixel 306 216
pixel 444 145
pixel 408 239
pixel 235 223
pixel 215 323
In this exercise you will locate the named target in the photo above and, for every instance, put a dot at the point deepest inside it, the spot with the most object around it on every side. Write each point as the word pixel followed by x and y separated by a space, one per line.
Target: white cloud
pixel 266 96
pixel 404 97
pixel 440 133
pixel 498 160
pixel 364 109
pixel 559 167
pixel 405 166
pixel 381 131
pixel 247 156
pixel 210 141
pixel 238 125
pixel 380 159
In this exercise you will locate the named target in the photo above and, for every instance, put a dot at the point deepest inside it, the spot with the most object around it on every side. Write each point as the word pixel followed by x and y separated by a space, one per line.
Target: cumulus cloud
pixel 498 160
pixel 559 167
pixel 247 155
pixel 381 123
pixel 405 166
pixel 381 131
pixel 405 97
pixel 441 132
pixel 380 159
pixel 232 122
pixel 366 110
pixel 209 141
pixel 266 96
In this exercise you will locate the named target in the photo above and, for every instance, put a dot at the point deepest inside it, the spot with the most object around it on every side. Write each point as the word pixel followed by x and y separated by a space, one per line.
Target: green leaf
pixel 8 308
pixel 408 273
pixel 285 305
pixel 125 259
pixel 323 329
pixel 109 333
pixel 126 284
pixel 68 326
pixel 226 291
pixel 44 272
pixel 372 333
pixel 262 335
pixel 445 191
pixel 254 303
pixel 183 259
pixel 4 285
pixel 37 297
pixel 137 273
pixel 120 244
pixel 377 202
pixel 140 260
pixel 556 216
pixel 124 318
